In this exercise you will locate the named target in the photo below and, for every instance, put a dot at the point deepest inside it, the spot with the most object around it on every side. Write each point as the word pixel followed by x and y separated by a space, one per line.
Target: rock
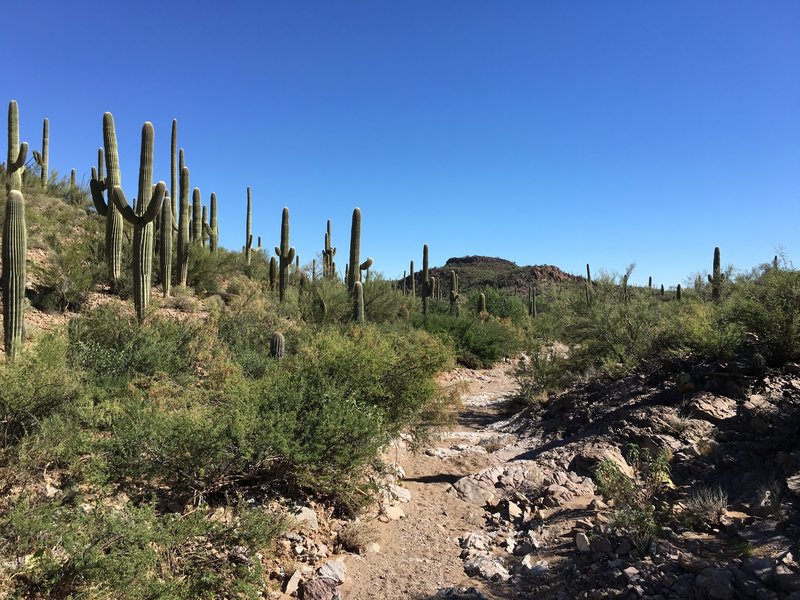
pixel 486 566
pixel 584 524
pixel 514 511
pixel 476 492
pixel 372 548
pixel 401 493
pixel 793 484
pixel 319 589
pixel 590 455
pixel 600 543
pixel 786 579
pixel 582 542
pixel 294 583
pixel 717 583
pixel 306 517
pixel 631 573
pixel 333 569
pixel 715 409
pixel 393 513
pixel 530 567
pixel 759 567
pixel 459 594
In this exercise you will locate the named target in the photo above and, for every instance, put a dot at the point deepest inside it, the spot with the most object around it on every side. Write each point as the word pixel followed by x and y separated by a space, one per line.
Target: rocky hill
pixel 477 272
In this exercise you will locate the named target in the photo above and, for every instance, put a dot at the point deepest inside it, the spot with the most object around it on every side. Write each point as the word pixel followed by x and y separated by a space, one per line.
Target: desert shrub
pixel 37 384
pixel 99 551
pixel 704 507
pixel 499 304
pixel 710 331
pixel 326 303
pixel 206 269
pixel 71 270
pixel 543 369
pixel 769 306
pixel 356 536
pixel 108 343
pixel 635 500
pixel 382 299
pixel 477 343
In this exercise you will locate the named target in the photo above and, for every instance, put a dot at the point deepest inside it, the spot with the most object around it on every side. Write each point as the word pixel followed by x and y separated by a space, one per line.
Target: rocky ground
pixel 504 504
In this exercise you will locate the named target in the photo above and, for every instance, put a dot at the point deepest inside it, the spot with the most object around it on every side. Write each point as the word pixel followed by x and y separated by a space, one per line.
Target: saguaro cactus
pixel 212 229
pixel 114 221
pixel 284 252
pixel 426 281
pixel 273 273
pixel 358 303
pixel 165 249
pixel 277 345
pixel 482 305
pixel 17 153
pixel 197 217
pixel 716 279
pixel 413 280
pixel 15 248
pixel 204 225
pixel 353 271
pixel 454 295
pixel 328 266
pixel 173 170
pixel 403 283
pixel 142 221
pixel 183 229
pixel 678 292
pixel 248 235
pixel 42 158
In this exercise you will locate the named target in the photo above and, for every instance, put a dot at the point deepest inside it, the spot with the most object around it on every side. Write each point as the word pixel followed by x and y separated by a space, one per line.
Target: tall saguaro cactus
pixel 183 229
pixel 17 153
pixel 273 273
pixel 114 221
pixel 716 279
pixel 42 158
pixel 285 254
pixel 454 295
pixel 14 254
pixel 248 234
pixel 173 170
pixel 358 303
pixel 413 281
pixel 197 218
pixel 353 271
pixel 165 243
pixel 212 228
pixel 426 281
pixel 328 266
pixel 142 221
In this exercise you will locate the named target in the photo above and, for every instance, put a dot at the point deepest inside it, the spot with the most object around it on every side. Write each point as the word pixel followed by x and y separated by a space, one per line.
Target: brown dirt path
pixel 420 554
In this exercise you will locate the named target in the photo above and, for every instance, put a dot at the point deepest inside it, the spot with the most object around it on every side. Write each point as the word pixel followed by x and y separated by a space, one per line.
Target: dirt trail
pixel 420 553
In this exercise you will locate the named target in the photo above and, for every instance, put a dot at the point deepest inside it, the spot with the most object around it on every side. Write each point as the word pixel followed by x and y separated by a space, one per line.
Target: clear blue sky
pixel 558 132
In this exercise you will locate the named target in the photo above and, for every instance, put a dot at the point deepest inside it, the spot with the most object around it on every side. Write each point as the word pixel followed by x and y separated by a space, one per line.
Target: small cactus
pixel 482 312
pixel 277 345
pixel 142 221
pixel 285 253
pixel 13 278
pixel 72 181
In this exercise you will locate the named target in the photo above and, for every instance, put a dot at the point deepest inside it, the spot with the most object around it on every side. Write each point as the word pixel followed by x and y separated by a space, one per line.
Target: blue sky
pixel 545 132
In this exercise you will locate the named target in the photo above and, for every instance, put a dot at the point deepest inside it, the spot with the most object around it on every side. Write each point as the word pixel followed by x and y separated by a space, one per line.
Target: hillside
pixel 478 272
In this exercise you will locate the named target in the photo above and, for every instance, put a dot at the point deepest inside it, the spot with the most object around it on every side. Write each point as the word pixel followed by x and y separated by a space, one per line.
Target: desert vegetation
pixel 146 434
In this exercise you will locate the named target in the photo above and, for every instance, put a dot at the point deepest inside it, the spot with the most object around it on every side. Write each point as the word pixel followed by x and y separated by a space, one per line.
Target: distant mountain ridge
pixel 477 272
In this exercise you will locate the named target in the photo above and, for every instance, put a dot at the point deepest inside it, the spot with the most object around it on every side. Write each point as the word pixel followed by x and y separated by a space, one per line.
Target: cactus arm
pixel 97 197
pixel 21 157
pixel 119 200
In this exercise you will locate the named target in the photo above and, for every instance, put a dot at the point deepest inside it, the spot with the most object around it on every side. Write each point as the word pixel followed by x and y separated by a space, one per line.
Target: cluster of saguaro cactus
pixel 42 158
pixel 284 252
pixel 328 253
pixel 454 295
pixel 716 278
pixel 15 241
pixel 142 221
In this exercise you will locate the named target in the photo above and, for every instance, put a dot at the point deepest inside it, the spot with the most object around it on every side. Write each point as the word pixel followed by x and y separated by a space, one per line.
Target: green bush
pixel 34 386
pixel 69 272
pixel 499 304
pixel 477 343
pixel 99 551
pixel 108 343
